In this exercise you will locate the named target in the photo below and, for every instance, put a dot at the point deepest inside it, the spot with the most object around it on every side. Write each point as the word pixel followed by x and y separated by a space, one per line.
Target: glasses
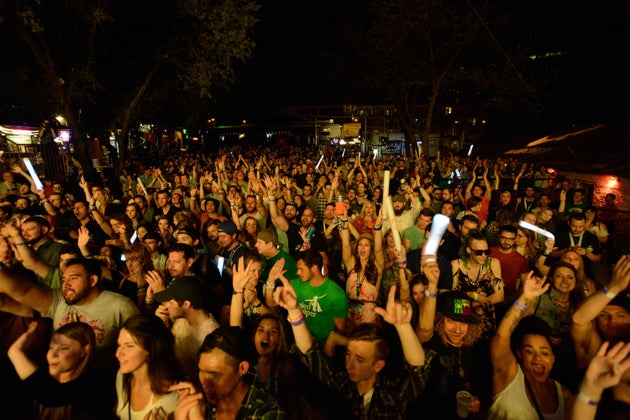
pixel 480 252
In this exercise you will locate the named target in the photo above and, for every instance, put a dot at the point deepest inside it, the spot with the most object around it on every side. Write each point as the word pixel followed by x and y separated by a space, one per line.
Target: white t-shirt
pixel 105 315
pixel 167 402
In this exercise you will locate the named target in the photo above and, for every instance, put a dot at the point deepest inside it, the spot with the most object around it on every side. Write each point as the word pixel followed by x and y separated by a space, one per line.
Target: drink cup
pixel 464 400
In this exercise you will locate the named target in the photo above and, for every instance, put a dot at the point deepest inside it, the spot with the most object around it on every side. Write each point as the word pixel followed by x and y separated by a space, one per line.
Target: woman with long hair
pixel 146 354
pixel 479 276
pixel 133 212
pixel 69 388
pixel 364 221
pixel 364 261
pixel 594 226
pixel 527 245
pixel 586 286
pixel 249 232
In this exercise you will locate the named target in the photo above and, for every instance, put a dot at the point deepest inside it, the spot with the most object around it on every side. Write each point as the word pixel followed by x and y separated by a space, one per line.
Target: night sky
pixel 293 64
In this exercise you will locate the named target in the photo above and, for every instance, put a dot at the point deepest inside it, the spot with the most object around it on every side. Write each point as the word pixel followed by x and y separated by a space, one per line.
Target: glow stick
pixel 536 229
pixel 438 227
pixel 419 151
pixel 319 162
pixel 359 156
pixel 385 191
pixel 470 149
pixel 343 154
pixel 144 190
pixel 387 204
pixel 31 170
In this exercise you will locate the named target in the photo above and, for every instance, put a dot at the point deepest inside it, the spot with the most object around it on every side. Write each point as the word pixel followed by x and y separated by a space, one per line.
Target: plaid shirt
pixel 392 391
pixel 258 404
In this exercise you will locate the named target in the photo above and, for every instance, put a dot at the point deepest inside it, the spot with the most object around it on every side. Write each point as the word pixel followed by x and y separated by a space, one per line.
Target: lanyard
pixel 573 242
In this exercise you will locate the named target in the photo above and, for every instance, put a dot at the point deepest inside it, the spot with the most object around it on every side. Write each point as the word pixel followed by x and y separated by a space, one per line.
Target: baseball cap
pixel 232 340
pixel 622 299
pixel 228 227
pixel 399 197
pixel 456 306
pixel 190 232
pixel 182 288
pixel 290 203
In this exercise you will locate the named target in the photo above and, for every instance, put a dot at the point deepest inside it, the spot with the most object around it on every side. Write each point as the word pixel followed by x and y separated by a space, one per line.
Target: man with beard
pixel 224 363
pixel 81 298
pixel 404 217
pixel 82 212
pixel 36 232
pixel 255 208
pixel 301 237
pixel 514 266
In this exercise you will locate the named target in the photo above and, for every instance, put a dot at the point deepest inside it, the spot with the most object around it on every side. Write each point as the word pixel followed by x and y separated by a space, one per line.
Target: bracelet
pixel 295 322
pixel 605 291
pixel 429 294
pixel 236 292
pixel 401 264
pixel 585 399
pixel 148 300
pixel 259 304
pixel 271 199
pixel 521 306
pixel 141 291
pixel 271 286
pixel 19 243
pixel 377 228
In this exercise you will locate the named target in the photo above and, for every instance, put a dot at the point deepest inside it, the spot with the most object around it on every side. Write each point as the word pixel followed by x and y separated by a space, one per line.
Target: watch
pixel 430 294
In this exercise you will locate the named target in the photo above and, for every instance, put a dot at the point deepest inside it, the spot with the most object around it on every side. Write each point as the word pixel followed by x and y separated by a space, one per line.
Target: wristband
pixel 475 296
pixel 585 399
pixel 19 243
pixel 271 199
pixel 605 291
pixel 236 292
pixel 377 228
pixel 429 294
pixel 148 300
pixel 298 321
pixel 521 306
pixel 257 306
pixel 271 286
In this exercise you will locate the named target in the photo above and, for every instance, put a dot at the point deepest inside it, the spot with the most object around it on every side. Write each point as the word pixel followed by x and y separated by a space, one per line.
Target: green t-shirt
pixel 321 305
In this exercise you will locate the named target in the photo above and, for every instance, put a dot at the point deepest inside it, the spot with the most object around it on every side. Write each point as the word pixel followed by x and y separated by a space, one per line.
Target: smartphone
pixel 220 263
pixel 123 258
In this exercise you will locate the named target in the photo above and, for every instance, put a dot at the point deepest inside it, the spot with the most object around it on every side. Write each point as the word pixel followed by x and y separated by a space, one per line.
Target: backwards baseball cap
pixel 456 306
pixel 232 340
pixel 228 227
pixel 622 299
pixel 182 288
pixel 190 232
pixel 290 203
pixel 399 197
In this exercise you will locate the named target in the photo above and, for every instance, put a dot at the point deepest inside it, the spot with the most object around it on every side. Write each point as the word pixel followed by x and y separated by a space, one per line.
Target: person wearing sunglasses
pixel 479 276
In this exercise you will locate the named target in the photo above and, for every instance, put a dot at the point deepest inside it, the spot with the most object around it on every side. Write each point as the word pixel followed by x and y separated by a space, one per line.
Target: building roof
pixel 598 148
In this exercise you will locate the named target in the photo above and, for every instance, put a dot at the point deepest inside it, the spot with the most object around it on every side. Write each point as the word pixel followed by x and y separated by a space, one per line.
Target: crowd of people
pixel 259 283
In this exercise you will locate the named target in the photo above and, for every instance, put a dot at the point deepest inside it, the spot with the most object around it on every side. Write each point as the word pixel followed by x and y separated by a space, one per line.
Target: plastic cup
pixel 464 400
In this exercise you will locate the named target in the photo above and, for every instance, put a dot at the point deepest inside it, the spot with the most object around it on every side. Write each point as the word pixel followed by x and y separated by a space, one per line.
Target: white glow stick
pixel 438 227
pixel 387 204
pixel 343 154
pixel 470 149
pixel 385 191
pixel 536 229
pixel 319 162
pixel 31 170
pixel 144 190
pixel 359 156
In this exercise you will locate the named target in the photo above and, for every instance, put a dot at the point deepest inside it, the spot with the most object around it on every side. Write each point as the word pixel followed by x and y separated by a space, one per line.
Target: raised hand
pixel 241 274
pixel 395 312
pixel 606 368
pixel 620 275
pixel 535 286
pixel 285 295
